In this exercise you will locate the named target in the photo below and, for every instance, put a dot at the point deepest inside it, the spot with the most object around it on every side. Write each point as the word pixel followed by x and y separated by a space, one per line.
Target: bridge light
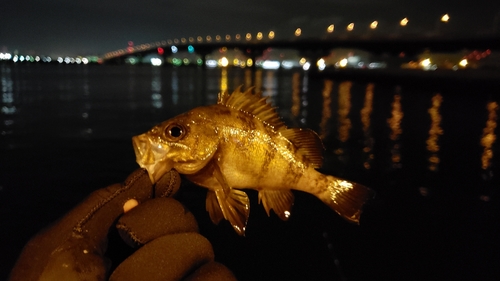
pixel 228 37
pixel 199 39
pixel 350 26
pixel 330 28
pixel 271 34
pixel 191 40
pixel 248 36
pixel 374 24
pixel 190 49
pixel 160 51
pixel 445 18
pixel 249 62
pixel 183 40
pixel 169 42
pixel 259 36
pixel 237 37
pixel 217 38
pixel 176 41
pixel 209 38
pixel 403 22
pixel 298 32
pixel 174 49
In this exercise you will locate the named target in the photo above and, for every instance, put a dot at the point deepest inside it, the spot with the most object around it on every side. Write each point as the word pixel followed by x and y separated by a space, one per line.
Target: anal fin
pixel 280 201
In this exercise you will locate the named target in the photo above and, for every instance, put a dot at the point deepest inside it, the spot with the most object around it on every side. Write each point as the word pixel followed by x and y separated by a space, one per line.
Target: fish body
pixel 241 143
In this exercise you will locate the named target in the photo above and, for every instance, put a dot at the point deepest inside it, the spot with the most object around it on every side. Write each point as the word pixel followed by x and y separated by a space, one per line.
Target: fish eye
pixel 174 131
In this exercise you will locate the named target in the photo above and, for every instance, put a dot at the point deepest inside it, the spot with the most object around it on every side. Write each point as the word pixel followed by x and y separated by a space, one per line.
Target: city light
pixel 298 32
pixel 350 27
pixel 271 35
pixel 463 63
pixel 374 24
pixel 223 62
pixel 343 62
pixel 330 28
pixel 403 22
pixel 259 36
pixel 248 36
pixel 445 18
pixel 156 61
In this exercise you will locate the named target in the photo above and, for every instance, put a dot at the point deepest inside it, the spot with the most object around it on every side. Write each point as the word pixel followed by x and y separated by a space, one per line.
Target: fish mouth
pixel 151 157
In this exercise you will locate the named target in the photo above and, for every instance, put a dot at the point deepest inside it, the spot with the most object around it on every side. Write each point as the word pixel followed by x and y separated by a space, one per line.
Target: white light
pixel 343 62
pixel 85 60
pixel 425 63
pixel 287 64
pixel 306 66
pixel 60 60
pixel 67 60
pixel 21 58
pixel 156 61
pixel 174 49
pixel 463 63
pixel 37 58
pixel 15 59
pixel 271 64
pixel 211 63
pixel 78 60
pixel 321 64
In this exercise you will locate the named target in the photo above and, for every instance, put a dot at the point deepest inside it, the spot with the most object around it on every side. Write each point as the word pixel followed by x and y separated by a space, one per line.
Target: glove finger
pixel 169 257
pixel 76 243
pixel 153 219
pixel 212 271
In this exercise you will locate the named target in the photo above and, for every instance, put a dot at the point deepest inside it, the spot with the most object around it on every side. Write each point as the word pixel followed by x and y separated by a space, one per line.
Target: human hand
pixel 170 247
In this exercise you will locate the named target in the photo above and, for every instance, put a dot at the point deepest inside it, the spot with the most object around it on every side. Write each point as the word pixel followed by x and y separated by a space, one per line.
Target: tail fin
pixel 346 198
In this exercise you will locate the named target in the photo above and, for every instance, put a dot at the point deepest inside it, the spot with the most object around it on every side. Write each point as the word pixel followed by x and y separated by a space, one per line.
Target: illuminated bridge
pixel 372 40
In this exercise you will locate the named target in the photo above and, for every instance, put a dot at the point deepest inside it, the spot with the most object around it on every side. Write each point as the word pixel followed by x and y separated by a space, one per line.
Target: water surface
pixel 430 153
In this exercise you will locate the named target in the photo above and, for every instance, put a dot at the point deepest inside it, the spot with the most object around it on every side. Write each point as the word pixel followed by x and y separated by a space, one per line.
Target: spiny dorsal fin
pixel 253 104
pixel 308 144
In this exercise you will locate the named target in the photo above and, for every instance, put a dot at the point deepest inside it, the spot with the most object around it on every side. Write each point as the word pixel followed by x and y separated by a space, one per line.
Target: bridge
pixel 398 40
pixel 311 47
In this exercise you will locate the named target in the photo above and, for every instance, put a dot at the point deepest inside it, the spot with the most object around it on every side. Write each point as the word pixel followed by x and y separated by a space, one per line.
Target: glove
pixel 166 235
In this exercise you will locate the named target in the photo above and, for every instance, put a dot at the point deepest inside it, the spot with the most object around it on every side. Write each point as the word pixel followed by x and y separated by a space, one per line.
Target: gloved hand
pixel 170 247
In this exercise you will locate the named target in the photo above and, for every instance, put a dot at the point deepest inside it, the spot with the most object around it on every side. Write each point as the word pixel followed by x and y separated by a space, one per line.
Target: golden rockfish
pixel 239 143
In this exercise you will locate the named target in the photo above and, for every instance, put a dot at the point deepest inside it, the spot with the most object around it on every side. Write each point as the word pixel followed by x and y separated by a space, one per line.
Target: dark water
pixel 428 151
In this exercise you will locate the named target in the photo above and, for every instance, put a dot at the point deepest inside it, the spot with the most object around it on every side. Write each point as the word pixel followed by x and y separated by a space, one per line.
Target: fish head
pixel 185 143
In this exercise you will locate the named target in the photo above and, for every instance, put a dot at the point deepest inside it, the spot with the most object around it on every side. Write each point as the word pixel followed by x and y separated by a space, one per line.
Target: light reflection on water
pixel 8 105
pixel 434 132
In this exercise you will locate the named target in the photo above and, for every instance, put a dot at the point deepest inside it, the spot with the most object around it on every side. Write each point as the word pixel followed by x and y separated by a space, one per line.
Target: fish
pixel 241 143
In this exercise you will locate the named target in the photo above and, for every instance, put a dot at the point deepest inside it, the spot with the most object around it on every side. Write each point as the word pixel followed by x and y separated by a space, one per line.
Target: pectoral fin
pixel 280 201
pixel 235 207
pixel 213 208
pixel 234 204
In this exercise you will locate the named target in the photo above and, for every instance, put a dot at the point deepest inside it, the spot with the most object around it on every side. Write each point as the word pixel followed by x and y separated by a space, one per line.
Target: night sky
pixel 94 27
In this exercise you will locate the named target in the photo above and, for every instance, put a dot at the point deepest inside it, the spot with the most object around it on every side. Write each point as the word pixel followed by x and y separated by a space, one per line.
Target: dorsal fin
pixel 308 144
pixel 253 104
